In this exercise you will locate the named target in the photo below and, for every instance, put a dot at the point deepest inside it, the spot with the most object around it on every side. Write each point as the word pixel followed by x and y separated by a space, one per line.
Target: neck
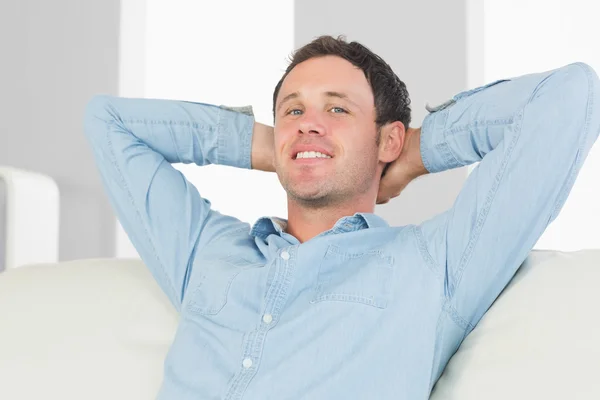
pixel 304 223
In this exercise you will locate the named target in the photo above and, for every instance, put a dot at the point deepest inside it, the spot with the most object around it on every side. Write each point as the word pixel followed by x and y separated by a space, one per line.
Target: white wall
pixel 55 56
pixel 230 52
pixel 524 36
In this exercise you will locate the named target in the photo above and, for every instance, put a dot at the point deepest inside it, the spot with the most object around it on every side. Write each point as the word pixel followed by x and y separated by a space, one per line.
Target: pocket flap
pixel 354 277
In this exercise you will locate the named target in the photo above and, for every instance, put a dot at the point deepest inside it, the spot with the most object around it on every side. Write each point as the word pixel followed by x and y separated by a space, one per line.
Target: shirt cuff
pixel 435 151
pixel 235 128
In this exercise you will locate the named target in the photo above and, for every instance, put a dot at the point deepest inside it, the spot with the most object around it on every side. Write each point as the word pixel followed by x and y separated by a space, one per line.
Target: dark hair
pixel 392 102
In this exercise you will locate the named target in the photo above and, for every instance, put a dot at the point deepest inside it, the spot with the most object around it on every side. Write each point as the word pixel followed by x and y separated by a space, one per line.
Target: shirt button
pixel 285 255
pixel 247 363
pixel 267 318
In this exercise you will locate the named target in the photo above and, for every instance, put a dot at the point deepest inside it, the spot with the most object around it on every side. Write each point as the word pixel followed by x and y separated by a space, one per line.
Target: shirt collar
pixel 266 226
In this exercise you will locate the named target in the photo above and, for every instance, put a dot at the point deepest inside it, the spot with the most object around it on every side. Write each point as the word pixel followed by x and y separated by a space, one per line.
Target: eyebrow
pixel 288 97
pixel 339 95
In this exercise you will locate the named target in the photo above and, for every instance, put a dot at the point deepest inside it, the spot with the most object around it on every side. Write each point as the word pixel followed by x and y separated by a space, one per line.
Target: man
pixel 333 303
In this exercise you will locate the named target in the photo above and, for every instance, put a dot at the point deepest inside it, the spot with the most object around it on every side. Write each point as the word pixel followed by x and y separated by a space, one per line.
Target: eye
pixel 294 111
pixel 338 110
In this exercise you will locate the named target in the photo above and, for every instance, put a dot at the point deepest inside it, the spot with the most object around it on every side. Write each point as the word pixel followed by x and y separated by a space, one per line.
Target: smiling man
pixel 327 144
pixel 332 302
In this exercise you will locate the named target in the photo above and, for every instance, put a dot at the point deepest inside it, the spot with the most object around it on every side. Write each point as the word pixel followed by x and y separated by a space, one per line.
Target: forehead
pixel 330 73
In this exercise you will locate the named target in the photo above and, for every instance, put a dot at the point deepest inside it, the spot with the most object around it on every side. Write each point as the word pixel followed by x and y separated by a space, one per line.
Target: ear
pixel 391 141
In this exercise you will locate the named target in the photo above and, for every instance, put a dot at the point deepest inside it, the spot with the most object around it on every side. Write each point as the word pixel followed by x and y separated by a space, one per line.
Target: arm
pixel 134 142
pixel 532 135
pixel 263 151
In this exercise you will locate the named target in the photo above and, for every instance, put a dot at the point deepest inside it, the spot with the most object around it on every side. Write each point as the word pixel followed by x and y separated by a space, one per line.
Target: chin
pixel 304 193
pixel 310 197
pixel 302 190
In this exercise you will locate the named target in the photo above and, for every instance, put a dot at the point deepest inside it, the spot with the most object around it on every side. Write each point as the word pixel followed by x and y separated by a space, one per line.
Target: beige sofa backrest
pixel 91 329
pixel 100 329
pixel 540 339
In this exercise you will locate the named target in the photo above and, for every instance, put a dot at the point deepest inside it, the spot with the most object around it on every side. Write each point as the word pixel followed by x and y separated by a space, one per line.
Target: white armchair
pixel 29 218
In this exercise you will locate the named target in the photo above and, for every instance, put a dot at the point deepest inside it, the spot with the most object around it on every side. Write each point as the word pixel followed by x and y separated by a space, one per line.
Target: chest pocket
pixel 211 289
pixel 354 277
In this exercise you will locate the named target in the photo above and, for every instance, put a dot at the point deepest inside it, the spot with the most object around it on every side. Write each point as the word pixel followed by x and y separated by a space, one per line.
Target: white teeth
pixel 312 154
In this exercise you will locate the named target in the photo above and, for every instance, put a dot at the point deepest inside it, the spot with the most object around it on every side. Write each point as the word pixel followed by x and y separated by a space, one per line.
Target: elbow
pixel 97 114
pixel 588 74
pixel 579 86
pixel 574 89
pixel 580 94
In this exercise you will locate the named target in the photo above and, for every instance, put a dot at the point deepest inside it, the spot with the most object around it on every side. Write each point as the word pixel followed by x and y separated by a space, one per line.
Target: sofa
pixel 100 329
pixel 29 217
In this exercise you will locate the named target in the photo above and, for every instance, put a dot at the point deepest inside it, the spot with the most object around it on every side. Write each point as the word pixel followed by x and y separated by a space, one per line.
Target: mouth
pixel 310 161
pixel 311 157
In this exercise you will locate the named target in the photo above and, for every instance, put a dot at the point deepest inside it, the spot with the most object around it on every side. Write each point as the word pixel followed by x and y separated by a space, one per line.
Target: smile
pixel 308 155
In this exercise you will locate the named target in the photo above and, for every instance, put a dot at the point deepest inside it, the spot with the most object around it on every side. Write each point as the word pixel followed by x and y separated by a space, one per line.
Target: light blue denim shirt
pixel 363 310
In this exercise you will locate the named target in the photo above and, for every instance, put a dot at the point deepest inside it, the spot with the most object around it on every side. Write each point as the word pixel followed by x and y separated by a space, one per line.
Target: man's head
pixel 343 99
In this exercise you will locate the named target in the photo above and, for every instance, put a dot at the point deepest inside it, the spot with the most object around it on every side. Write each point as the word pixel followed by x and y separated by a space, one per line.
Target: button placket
pixel 268 318
pixel 254 341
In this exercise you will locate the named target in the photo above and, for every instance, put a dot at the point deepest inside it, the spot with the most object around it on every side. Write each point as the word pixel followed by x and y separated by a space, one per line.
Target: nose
pixel 311 124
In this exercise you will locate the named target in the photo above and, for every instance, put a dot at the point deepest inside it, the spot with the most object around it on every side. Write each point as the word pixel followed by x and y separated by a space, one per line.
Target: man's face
pixel 326 104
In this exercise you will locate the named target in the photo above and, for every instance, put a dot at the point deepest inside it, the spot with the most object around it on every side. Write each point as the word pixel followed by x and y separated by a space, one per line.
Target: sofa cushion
pixel 90 329
pixel 540 339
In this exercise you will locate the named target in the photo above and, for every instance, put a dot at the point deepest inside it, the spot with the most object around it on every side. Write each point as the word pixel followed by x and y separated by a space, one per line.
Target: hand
pixel 263 148
pixel 404 169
